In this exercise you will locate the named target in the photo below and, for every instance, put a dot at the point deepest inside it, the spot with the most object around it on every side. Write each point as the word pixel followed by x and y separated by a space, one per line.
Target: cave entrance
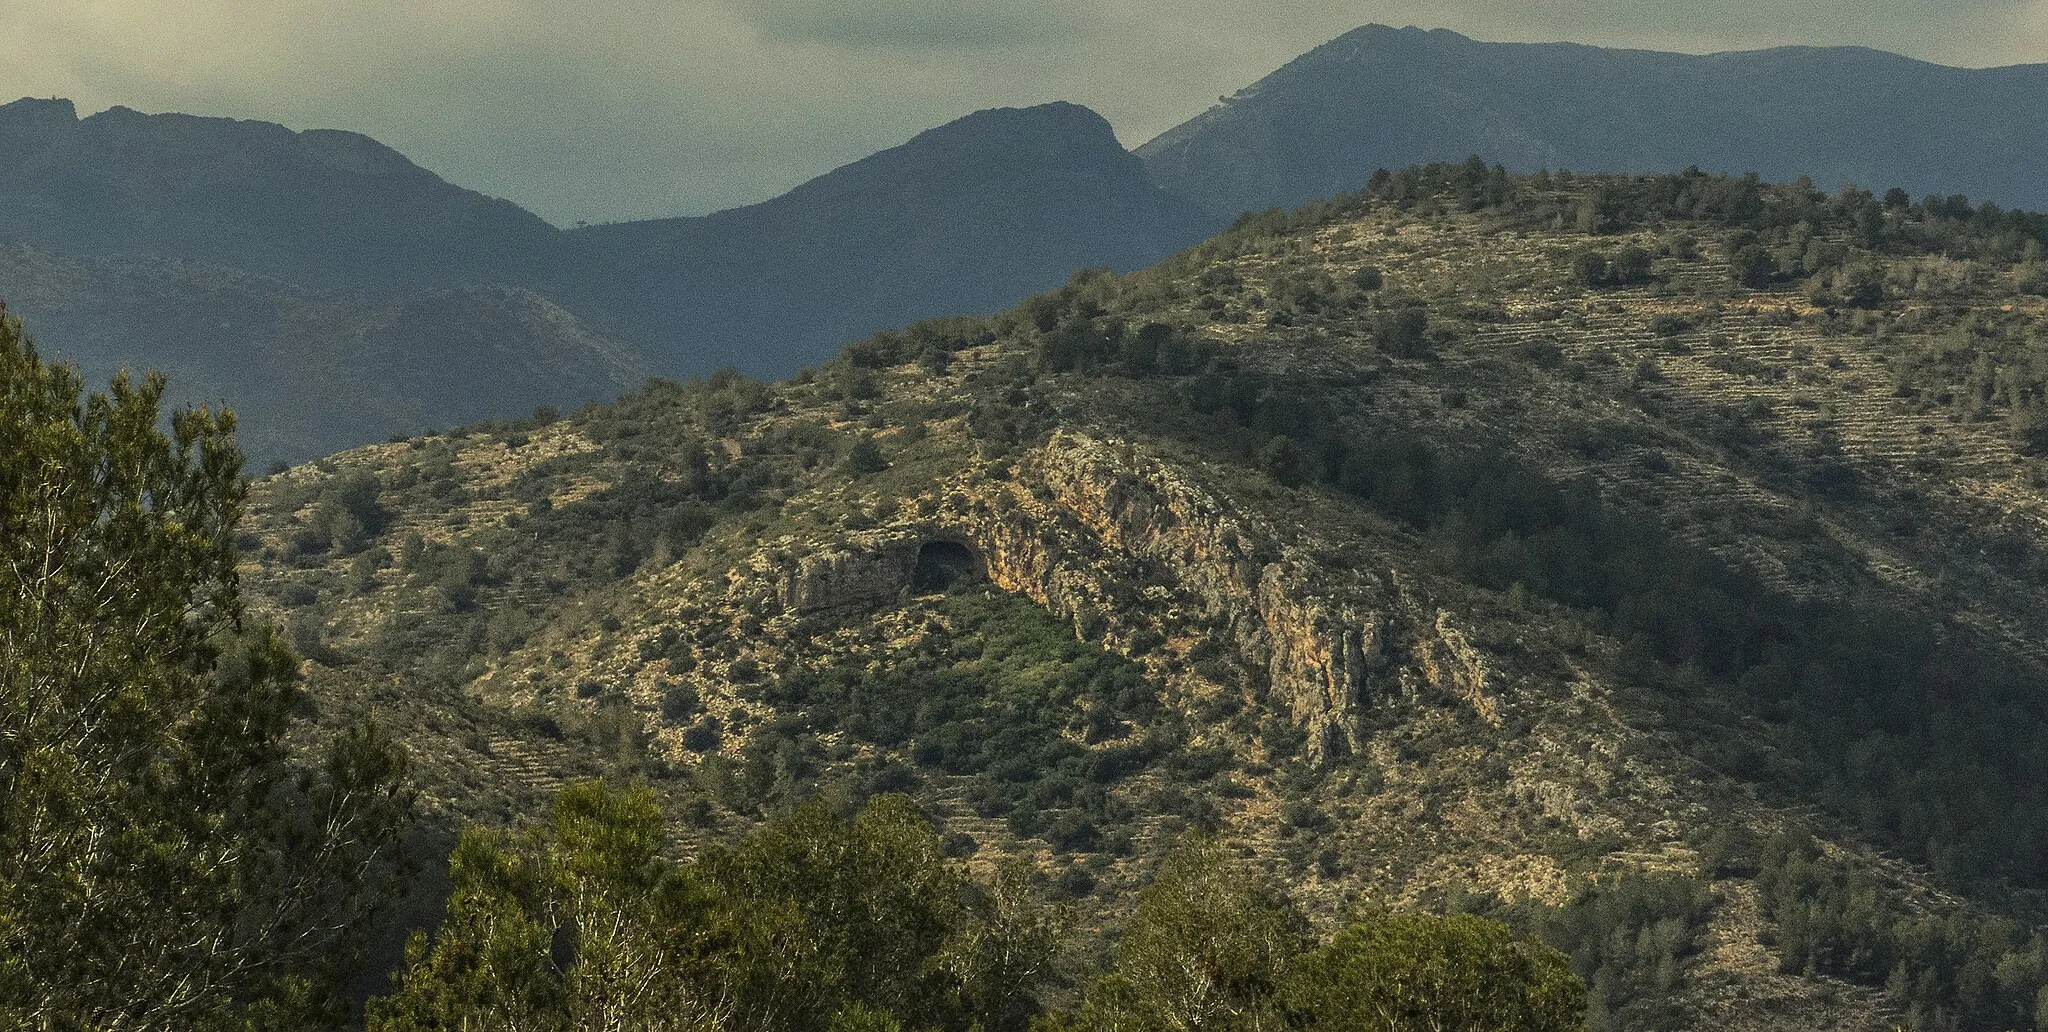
pixel 943 564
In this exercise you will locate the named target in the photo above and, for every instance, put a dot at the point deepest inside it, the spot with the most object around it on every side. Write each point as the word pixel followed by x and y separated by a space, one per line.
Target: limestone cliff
pixel 1079 523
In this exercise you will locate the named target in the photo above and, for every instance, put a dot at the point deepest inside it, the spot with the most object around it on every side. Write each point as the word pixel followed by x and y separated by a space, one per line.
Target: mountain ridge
pixel 1379 97
pixel 971 216
pixel 329 208
pixel 977 212
pixel 966 217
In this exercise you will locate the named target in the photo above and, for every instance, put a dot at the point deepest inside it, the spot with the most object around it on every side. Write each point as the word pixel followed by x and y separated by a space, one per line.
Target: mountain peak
pixel 1380 97
pixel 38 109
pixel 967 217
pixel 1381 38
pixel 1008 143
pixel 32 122
pixel 1044 129
pixel 1059 116
pixel 1377 31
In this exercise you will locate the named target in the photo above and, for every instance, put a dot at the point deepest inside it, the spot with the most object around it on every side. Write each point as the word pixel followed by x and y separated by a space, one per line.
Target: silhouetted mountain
pixel 966 218
pixel 321 207
pixel 310 371
pixel 1387 98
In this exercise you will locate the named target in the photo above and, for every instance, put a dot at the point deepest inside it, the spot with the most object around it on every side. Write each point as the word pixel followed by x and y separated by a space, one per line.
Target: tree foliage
pixel 1213 947
pixel 1206 950
pixel 1420 972
pixel 165 860
pixel 818 922
pixel 811 922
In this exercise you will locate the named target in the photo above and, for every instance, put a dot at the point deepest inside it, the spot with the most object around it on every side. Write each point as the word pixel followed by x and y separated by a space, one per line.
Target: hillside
pixel 1380 97
pixel 311 370
pixel 1666 587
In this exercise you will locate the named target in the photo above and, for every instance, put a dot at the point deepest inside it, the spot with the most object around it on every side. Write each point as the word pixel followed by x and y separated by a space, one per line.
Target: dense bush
pixel 1215 946
pixel 1631 940
pixel 1627 267
pixel 1004 694
pixel 817 922
pixel 811 922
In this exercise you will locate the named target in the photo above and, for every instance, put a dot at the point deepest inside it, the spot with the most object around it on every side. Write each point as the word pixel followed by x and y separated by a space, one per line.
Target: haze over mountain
pixel 305 368
pixel 322 208
pixel 964 219
pixel 1380 97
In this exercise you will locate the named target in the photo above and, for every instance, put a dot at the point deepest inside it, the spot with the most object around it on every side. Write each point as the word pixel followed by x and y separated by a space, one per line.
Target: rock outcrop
pixel 874 567
pixel 861 572
pixel 1084 526
pixel 1322 645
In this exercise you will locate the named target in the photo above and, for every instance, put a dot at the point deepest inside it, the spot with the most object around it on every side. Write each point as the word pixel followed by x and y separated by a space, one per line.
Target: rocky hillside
pixel 1380 97
pixel 1651 563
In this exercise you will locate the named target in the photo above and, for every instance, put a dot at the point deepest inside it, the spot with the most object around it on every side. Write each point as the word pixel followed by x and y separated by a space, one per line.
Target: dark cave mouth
pixel 942 565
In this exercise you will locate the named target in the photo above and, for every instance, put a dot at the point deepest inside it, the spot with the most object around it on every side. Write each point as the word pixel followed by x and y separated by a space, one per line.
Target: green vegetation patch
pixel 996 690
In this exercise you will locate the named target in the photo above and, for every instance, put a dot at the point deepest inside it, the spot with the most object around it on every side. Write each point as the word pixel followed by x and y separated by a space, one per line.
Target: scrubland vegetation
pixel 1717 492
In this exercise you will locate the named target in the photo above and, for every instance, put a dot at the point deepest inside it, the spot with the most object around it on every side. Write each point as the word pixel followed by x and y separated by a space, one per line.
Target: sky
pixel 608 110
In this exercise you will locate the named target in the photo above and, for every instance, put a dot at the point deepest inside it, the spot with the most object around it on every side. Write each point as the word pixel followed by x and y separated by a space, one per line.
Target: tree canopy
pixel 166 859
pixel 813 921
pixel 816 921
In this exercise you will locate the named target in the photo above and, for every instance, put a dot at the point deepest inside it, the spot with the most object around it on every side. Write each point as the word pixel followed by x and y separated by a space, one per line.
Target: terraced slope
pixel 1433 552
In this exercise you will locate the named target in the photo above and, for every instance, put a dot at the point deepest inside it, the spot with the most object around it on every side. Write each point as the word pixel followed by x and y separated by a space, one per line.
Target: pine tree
pixel 165 860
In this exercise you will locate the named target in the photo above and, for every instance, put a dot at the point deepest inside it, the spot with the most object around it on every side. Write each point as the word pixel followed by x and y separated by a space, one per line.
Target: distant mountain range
pixel 969 217
pixel 1379 97
pixel 966 218
pixel 321 208
pixel 306 369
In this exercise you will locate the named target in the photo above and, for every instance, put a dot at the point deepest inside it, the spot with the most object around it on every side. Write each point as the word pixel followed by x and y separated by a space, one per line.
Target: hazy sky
pixel 617 109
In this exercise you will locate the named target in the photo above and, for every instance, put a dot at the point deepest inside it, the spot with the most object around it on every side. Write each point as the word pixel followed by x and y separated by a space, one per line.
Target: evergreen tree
pixel 165 861
pixel 1205 951
pixel 1417 972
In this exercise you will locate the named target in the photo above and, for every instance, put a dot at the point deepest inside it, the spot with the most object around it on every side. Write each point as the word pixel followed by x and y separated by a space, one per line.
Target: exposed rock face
pixel 1320 644
pixel 1448 661
pixel 874 568
pixel 861 573
pixel 1083 526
